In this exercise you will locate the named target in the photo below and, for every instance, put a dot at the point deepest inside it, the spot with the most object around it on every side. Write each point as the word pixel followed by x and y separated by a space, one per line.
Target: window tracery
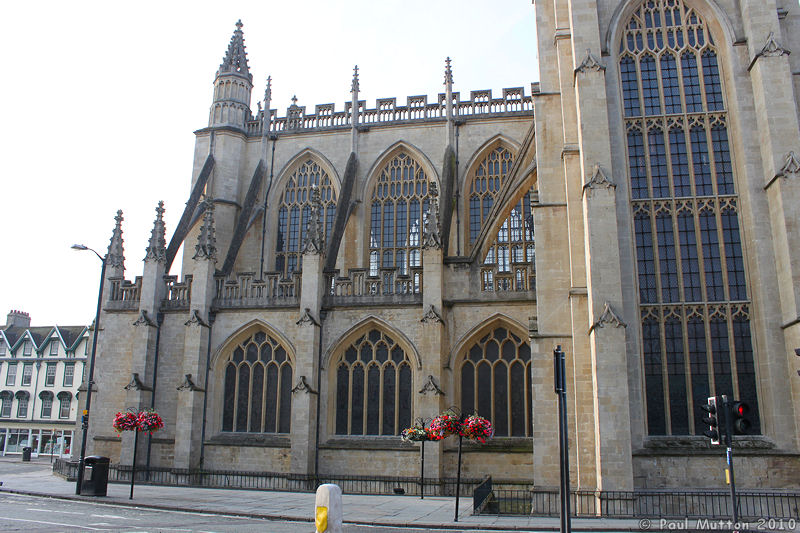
pixel 399 202
pixel 294 210
pixel 513 248
pixel 695 312
pixel 373 387
pixel 257 395
pixel 495 382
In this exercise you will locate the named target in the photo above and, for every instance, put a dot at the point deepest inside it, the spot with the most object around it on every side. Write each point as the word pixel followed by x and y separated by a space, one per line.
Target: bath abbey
pixel 349 269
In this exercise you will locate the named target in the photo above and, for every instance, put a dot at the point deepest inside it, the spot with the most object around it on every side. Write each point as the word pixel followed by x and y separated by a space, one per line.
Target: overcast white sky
pixel 100 100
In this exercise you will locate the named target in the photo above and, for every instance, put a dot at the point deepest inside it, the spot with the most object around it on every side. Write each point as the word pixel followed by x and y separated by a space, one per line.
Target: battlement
pixel 386 111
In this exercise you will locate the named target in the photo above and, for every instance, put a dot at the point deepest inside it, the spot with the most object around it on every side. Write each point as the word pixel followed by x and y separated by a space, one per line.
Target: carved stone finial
pixel 144 320
pixel 608 317
pixel 448 73
pixel 196 320
pixel 268 93
pixel 306 318
pixel 431 316
pixel 189 385
pixel 206 247
pixel 136 384
pixel 598 180
pixel 431 386
pixel 157 247
pixel 303 386
pixel 354 86
pixel 591 62
pixel 235 60
pixel 314 241
pixel 116 254
pixel 294 100
pixel 431 229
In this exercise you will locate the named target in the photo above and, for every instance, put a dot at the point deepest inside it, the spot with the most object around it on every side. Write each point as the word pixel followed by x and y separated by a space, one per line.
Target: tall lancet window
pixel 257 395
pixel 294 210
pixel 514 245
pixel 693 298
pixel 399 203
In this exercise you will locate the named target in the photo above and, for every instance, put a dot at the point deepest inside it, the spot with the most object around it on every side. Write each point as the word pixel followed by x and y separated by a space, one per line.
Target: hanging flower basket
pixel 414 434
pixel 124 422
pixel 444 425
pixel 477 428
pixel 149 421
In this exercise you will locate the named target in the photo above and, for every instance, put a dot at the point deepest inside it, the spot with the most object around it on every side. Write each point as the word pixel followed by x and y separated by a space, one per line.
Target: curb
pixel 377 523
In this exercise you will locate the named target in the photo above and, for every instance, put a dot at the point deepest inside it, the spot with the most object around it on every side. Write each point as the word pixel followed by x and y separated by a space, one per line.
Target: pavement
pixel 36 478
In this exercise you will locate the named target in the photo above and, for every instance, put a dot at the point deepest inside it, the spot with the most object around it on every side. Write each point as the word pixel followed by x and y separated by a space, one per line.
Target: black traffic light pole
pixel 727 409
pixel 559 372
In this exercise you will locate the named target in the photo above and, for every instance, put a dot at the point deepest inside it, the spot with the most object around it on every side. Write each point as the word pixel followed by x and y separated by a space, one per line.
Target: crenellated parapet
pixel 481 103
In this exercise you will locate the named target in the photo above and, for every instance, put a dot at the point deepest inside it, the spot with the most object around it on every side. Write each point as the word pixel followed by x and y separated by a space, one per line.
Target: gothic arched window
pixel 293 212
pixel 399 203
pixel 694 308
pixel 257 395
pixel 514 243
pixel 373 387
pixel 496 383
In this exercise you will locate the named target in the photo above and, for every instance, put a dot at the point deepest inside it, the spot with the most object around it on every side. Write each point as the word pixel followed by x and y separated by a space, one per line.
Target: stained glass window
pixel 293 212
pixel 695 313
pixel 257 395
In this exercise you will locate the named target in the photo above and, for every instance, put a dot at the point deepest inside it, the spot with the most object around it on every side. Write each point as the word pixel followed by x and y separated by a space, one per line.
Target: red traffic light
pixel 741 425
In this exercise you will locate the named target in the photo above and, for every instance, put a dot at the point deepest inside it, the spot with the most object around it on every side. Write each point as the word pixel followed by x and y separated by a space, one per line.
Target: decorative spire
pixel 268 93
pixel 157 247
pixel 354 87
pixel 116 255
pixel 206 247
pixel 235 60
pixel 314 238
pixel 448 72
pixel 431 232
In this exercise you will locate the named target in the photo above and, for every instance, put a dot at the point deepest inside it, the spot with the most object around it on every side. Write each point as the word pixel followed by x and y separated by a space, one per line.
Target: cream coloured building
pixel 41 369
pixel 347 271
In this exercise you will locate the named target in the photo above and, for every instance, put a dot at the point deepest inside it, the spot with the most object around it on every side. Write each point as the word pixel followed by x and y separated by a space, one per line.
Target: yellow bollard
pixel 328 515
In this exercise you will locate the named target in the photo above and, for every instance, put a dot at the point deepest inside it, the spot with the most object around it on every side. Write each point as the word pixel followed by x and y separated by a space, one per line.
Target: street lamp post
pixel 90 384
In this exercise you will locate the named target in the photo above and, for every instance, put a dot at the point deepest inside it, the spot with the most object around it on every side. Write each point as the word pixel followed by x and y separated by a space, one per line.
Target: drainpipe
pixel 322 314
pixel 211 317
pixel 159 321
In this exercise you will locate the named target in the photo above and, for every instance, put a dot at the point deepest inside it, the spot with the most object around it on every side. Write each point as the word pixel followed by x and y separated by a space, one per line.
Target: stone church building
pixel 347 271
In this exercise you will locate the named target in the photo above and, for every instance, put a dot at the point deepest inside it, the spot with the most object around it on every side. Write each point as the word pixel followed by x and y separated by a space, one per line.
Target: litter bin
pixel 26 454
pixel 95 476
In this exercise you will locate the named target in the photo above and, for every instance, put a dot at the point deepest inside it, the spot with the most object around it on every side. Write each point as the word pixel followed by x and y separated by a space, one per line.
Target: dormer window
pixel 27 348
pixel 54 347
pixel 2 348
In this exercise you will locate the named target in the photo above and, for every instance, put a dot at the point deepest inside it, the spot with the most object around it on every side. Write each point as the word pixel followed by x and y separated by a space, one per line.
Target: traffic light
pixel 741 425
pixel 712 419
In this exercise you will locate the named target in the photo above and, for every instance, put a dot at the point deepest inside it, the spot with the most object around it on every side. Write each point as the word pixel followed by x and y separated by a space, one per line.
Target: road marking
pixel 43 510
pixel 112 516
pixel 54 523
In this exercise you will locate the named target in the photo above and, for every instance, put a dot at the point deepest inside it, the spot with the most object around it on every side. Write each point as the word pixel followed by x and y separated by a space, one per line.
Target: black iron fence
pixel 753 505
pixel 276 480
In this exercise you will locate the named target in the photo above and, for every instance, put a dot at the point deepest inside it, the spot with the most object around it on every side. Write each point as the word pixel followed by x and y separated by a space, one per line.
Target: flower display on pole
pixel 149 421
pixel 444 425
pixel 415 434
pixel 477 428
pixel 125 421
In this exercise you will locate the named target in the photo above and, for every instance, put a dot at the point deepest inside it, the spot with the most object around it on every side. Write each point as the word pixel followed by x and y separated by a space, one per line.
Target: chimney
pixel 18 319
